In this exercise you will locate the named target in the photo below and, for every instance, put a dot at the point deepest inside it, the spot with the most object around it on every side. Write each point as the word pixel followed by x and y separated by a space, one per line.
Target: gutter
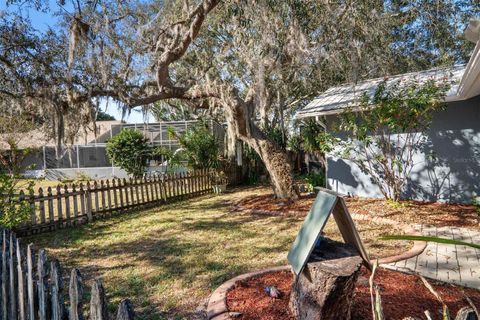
pixel 470 83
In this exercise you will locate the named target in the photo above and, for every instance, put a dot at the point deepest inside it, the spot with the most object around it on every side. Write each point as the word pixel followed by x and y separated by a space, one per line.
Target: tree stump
pixel 324 289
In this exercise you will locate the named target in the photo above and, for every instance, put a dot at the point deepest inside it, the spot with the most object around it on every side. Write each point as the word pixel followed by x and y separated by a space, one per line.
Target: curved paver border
pixel 217 304
pixel 418 246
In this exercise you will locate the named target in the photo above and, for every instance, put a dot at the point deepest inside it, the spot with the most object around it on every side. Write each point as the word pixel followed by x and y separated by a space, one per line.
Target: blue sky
pixel 41 21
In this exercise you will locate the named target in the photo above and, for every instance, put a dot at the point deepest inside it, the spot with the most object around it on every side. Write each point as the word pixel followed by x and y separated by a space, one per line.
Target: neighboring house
pixel 87 155
pixel 454 137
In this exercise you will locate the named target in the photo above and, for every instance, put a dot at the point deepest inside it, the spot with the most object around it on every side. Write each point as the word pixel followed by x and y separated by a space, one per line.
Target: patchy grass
pixel 40 183
pixel 169 259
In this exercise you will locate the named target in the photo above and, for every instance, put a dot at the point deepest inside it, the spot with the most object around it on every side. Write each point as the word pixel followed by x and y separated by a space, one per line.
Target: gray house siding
pixel 452 176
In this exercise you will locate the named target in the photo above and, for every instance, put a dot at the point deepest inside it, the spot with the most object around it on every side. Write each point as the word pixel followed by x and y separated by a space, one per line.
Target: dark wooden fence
pixel 64 206
pixel 32 287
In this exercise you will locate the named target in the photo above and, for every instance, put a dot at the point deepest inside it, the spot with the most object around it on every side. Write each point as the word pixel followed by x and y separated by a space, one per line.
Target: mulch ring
pixel 403 295
pixel 408 212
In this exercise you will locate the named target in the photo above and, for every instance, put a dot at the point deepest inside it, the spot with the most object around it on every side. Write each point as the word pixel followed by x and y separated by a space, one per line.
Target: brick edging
pixel 217 304
pixel 418 246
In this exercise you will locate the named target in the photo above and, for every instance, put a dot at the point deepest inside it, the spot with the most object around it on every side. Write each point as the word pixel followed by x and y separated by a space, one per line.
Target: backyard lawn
pixel 169 259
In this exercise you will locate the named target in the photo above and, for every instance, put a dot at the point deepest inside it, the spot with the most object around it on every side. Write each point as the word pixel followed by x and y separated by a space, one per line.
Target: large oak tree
pixel 255 61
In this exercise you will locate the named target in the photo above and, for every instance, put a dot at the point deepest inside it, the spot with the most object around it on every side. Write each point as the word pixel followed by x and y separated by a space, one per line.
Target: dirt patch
pixel 438 214
pixel 267 202
pixel 409 212
pixel 370 231
pixel 403 295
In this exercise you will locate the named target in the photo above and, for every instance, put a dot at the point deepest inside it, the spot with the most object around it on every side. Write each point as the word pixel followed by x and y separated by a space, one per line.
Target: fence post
pixel 102 190
pixel 115 199
pixel 155 188
pixel 67 204
pixel 137 193
pixel 83 200
pixel 109 196
pixel 76 295
pixel 126 191
pixel 59 205
pixel 132 191
pixel 75 202
pixel 168 186
pixel 98 302
pixel 51 216
pixel 120 190
pixel 41 205
pixel 32 207
pixel 95 190
pixel 88 200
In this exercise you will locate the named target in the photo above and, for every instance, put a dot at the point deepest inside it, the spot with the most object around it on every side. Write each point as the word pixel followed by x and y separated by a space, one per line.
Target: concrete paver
pixel 444 262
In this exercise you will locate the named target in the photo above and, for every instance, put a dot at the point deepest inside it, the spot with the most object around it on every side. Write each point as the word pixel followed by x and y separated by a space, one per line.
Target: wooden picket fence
pixel 65 206
pixel 32 287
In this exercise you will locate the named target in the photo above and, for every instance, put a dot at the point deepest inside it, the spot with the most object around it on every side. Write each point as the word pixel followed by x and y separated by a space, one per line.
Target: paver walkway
pixel 444 262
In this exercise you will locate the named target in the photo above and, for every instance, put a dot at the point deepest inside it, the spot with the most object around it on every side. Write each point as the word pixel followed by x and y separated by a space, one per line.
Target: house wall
pixel 454 174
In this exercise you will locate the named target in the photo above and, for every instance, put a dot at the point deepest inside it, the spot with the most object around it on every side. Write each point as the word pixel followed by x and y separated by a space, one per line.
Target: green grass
pixel 168 260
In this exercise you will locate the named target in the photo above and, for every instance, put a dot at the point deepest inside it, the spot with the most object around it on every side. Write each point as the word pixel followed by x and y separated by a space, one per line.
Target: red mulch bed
pixel 403 295
pixel 439 214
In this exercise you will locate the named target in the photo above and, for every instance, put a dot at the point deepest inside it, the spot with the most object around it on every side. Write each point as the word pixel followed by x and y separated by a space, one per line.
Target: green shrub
pixel 314 179
pixel 13 211
pixel 200 147
pixel 130 151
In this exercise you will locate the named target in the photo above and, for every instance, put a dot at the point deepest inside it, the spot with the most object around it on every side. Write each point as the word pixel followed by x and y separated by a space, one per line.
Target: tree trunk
pixel 240 119
pixel 324 290
pixel 276 163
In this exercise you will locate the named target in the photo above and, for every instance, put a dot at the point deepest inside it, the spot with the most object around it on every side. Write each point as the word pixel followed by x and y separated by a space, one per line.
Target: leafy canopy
pixel 130 151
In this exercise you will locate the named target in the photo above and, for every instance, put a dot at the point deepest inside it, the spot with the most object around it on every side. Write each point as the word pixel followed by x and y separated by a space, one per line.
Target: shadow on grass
pixel 191 246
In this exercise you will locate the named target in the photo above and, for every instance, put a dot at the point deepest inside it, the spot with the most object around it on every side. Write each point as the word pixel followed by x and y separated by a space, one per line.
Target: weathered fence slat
pixel 98 302
pixel 115 199
pixel 32 206
pixel 82 200
pixel 5 280
pixel 51 216
pixel 132 191
pixel 59 204
pixel 96 192
pixel 12 275
pixel 109 196
pixel 75 203
pixel 85 202
pixel 67 204
pixel 58 307
pixel 31 287
pixel 125 310
pixel 102 191
pixel 31 306
pixel 88 200
pixel 42 291
pixel 22 285
pixel 76 295
pixel 41 205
